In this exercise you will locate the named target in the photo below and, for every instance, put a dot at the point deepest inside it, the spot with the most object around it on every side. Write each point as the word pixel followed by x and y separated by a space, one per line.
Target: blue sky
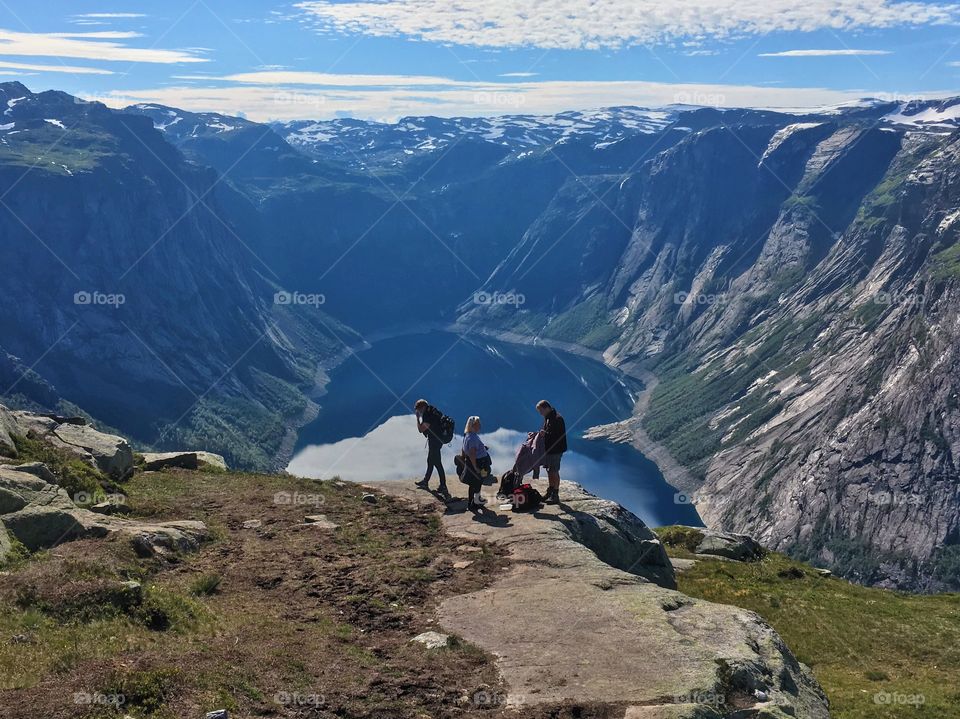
pixel 385 59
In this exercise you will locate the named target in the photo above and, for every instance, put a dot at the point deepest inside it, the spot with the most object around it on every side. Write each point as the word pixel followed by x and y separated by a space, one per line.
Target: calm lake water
pixel 366 429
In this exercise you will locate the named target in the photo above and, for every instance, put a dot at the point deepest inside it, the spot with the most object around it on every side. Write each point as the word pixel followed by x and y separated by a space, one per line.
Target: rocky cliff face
pixel 794 286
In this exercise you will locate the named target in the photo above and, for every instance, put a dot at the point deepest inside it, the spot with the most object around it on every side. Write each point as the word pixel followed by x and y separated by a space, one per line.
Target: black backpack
pixel 441 426
pixel 526 499
pixel 509 481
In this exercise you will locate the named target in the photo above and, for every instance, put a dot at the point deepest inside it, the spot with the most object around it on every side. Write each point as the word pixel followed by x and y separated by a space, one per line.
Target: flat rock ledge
pixel 585 613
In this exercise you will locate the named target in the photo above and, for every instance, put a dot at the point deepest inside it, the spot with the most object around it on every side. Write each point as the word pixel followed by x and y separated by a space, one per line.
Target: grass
pixel 284 610
pixel 874 651
pixel 946 263
pixel 72 473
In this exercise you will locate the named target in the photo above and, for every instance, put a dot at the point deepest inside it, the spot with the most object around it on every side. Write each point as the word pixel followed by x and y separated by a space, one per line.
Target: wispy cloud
pixel 368 100
pixel 825 53
pixel 519 74
pixel 111 15
pixel 89 46
pixel 71 69
pixel 293 77
pixel 574 24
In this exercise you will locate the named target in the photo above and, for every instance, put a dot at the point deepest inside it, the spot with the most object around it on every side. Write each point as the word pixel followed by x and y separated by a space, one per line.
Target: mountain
pixel 794 288
pixel 126 284
pixel 789 281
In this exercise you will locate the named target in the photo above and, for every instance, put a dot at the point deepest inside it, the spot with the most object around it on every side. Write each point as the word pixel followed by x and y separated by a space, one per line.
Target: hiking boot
pixel 423 483
pixel 553 497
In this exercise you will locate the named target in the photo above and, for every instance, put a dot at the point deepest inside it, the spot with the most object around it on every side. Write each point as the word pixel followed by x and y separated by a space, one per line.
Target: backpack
pixel 441 426
pixel 526 499
pixel 484 464
pixel 509 481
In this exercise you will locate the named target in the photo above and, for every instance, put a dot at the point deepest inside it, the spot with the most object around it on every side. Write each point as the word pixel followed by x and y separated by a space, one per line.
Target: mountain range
pixel 790 280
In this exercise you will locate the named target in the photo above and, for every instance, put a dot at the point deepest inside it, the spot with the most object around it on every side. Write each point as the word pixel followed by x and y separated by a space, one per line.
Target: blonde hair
pixel 471 423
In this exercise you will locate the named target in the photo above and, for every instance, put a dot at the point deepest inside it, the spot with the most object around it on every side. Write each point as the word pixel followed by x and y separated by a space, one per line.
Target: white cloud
pixel 71 69
pixel 519 74
pixel 265 102
pixel 573 24
pixel 110 15
pixel 88 46
pixel 824 53
pixel 292 77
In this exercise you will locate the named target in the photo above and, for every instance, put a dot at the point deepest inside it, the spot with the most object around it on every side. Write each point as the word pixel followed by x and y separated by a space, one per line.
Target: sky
pixel 386 59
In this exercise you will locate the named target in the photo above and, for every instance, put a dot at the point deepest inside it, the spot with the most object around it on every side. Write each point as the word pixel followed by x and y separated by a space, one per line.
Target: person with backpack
pixel 554 445
pixel 430 423
pixel 476 463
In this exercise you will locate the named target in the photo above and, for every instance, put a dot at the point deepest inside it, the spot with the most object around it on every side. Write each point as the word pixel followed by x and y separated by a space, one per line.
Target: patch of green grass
pixel 205 585
pixel 586 324
pixel 946 263
pixel 143 691
pixel 685 539
pixel 863 644
pixel 72 473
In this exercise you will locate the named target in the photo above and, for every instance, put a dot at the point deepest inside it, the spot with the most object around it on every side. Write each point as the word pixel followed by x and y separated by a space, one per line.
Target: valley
pixel 790 279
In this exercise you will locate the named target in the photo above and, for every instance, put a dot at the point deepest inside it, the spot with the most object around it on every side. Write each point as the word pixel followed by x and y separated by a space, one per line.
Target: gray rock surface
pixel 613 636
pixel 8 429
pixel 109 453
pixel 432 640
pixel 738 547
pixel 5 547
pixel 40 515
pixel 154 461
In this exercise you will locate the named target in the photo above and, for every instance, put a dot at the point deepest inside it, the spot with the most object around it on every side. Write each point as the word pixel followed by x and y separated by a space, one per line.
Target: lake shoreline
pixel 673 473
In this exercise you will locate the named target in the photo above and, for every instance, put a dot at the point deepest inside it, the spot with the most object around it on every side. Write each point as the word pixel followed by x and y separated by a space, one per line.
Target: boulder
pixel 739 547
pixel 111 454
pixel 5 545
pixel 8 429
pixel 156 461
pixel 40 515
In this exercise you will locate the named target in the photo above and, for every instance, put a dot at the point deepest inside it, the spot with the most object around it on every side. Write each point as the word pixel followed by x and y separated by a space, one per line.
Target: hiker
pixel 476 463
pixel 554 444
pixel 428 424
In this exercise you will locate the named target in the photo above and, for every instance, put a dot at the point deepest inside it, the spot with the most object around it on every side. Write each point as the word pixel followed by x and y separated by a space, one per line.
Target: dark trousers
pixel 473 480
pixel 433 459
